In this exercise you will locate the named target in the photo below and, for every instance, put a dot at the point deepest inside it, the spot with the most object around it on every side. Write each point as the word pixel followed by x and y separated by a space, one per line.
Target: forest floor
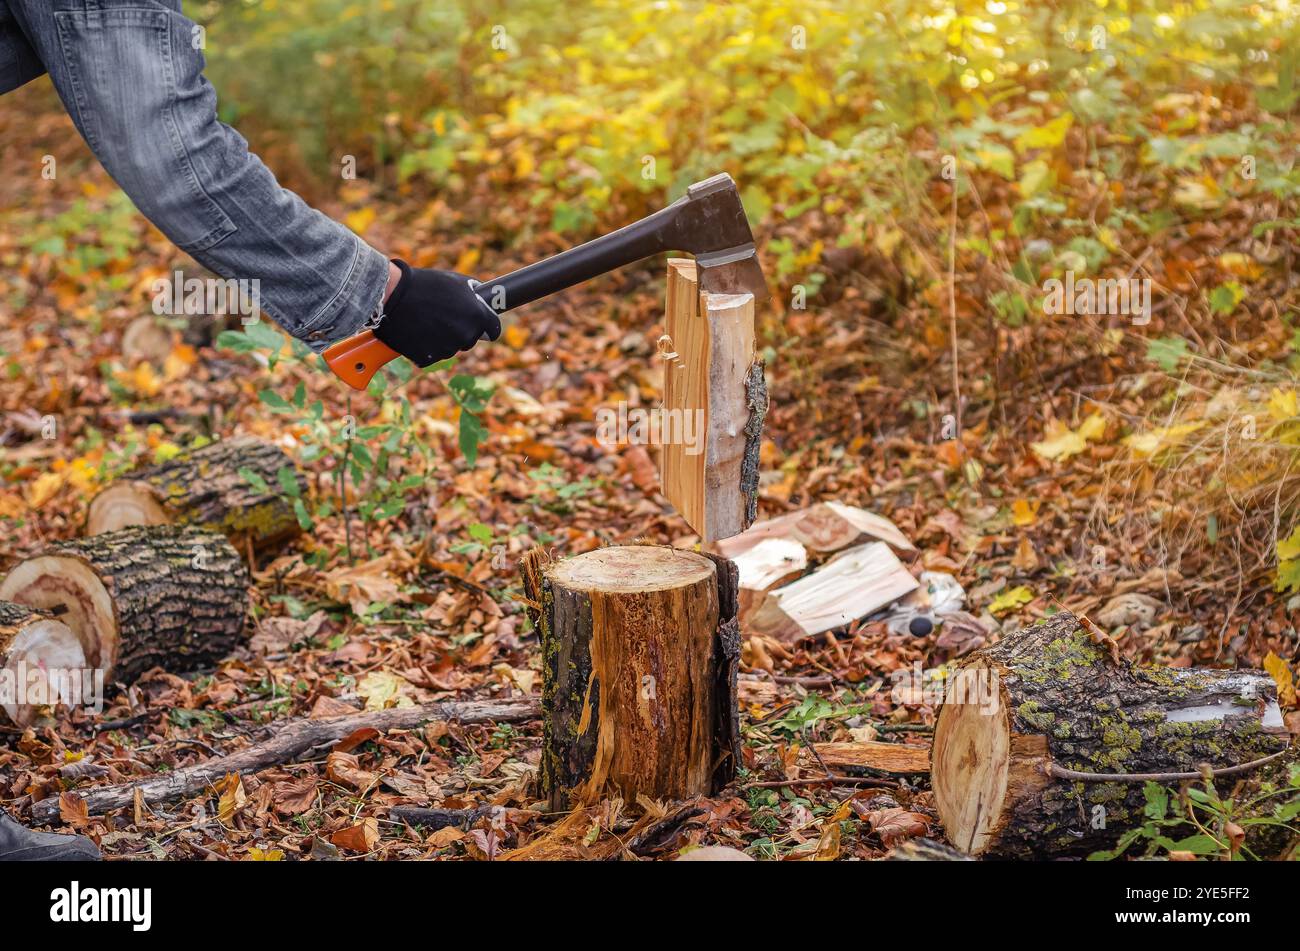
pixel 858 392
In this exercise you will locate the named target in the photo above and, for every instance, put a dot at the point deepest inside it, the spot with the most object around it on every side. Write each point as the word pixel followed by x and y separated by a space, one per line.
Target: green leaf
pixel 235 341
pixel 300 395
pixel 471 435
pixel 1197 844
pixel 1225 298
pixel 304 519
pixel 480 532
pixel 289 482
pixel 274 400
pixel 1157 798
pixel 471 392
pixel 1167 352
pixel 253 479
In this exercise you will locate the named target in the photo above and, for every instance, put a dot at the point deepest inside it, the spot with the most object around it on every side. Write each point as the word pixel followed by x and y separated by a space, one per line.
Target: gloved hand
pixel 432 315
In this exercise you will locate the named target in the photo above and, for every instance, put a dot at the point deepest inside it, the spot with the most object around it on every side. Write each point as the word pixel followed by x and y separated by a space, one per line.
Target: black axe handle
pixel 641 239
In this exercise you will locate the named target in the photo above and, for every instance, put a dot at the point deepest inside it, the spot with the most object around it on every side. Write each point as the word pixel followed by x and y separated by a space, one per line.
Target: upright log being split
pixel 37 651
pixel 234 487
pixel 715 398
pixel 1044 738
pixel 163 595
pixel 640 646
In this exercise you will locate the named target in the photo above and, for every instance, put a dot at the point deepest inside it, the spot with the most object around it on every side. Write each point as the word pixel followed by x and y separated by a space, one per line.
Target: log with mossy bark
pixel 236 487
pixel 1045 739
pixel 163 596
pixel 640 648
pixel 39 655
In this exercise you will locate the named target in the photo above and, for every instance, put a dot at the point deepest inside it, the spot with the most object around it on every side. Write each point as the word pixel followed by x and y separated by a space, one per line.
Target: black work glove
pixel 432 315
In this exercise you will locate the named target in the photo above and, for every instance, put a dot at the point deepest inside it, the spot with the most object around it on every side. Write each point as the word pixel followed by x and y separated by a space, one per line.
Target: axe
pixel 708 222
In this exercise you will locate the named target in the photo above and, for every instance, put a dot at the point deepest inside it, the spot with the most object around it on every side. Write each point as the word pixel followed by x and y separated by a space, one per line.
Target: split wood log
pixel 773 561
pixel 234 487
pixel 1044 739
pixel 896 758
pixel 825 528
pixel 296 739
pixel 854 584
pixel 640 649
pixel 164 595
pixel 38 655
pixel 714 402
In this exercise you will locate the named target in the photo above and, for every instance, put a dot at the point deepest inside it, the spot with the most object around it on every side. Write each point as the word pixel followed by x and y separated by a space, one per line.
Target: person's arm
pixel 130 77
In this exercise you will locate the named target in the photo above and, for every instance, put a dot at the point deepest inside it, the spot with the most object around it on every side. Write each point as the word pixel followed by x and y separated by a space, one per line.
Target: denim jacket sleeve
pixel 130 73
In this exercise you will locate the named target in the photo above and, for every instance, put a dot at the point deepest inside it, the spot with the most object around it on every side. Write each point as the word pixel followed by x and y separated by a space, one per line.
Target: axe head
pixel 711 224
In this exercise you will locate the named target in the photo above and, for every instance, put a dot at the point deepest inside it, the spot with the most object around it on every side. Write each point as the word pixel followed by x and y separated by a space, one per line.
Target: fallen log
pixel 640 649
pixel 166 596
pixel 297 739
pixel 435 819
pixel 235 487
pixel 1045 739
pixel 37 653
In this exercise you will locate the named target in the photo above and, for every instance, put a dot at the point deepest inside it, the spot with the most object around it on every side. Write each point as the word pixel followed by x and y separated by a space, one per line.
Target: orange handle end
pixel 355 360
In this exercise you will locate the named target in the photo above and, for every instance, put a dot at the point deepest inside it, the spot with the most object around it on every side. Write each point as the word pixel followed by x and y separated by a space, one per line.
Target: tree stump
pixel 163 595
pixel 1052 699
pixel 210 488
pixel 36 652
pixel 640 648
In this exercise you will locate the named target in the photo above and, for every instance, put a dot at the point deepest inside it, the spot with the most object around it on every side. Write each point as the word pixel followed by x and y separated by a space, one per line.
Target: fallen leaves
pixel 1011 599
pixel 360 837
pixel 1060 442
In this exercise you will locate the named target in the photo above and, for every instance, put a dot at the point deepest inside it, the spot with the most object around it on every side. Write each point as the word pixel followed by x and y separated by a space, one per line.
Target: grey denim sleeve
pixel 131 77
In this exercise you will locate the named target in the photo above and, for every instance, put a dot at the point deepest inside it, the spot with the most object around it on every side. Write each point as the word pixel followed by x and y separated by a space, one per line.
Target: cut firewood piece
pixel 236 487
pixel 895 758
pixel 715 399
pixel 39 657
pixel 164 595
pixel 856 583
pixel 1045 739
pixel 824 527
pixel 640 650
pixel 771 562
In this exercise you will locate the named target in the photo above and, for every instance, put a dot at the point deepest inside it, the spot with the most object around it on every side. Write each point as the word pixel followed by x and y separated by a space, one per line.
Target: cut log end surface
pixel 67 583
pixel 631 568
pixel 233 487
pixel 1050 698
pixel 36 652
pixel 144 596
pixel 122 505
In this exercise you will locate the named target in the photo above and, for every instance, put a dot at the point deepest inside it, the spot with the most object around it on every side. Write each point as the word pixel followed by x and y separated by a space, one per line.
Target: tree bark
pixel 164 595
pixel 1052 699
pixel 38 656
pixel 640 650
pixel 208 488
